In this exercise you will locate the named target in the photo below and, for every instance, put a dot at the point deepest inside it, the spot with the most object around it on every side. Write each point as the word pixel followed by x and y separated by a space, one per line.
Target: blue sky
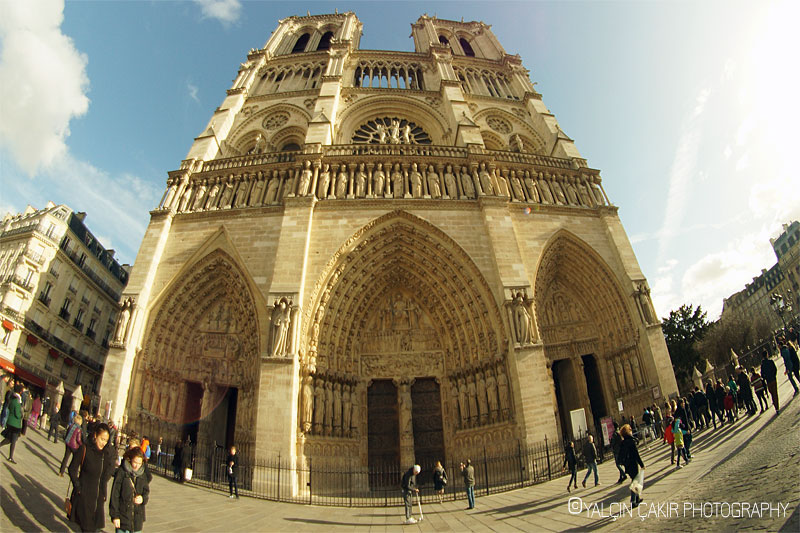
pixel 687 108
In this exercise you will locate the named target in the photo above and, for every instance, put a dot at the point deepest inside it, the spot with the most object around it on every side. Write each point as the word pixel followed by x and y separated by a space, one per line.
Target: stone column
pixel 405 422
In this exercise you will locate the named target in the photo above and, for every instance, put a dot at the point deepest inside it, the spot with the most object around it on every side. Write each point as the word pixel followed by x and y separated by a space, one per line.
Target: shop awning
pixel 9 325
pixel 23 374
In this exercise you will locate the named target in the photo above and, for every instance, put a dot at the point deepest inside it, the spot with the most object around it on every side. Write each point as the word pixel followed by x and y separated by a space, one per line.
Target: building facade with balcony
pixel 58 299
pixel 375 257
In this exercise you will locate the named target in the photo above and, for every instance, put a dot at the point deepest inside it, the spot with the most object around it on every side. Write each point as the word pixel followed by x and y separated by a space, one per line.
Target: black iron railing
pixel 347 484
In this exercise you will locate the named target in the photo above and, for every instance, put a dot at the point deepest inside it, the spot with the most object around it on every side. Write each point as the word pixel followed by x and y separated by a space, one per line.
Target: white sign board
pixel 619 405
pixel 578 418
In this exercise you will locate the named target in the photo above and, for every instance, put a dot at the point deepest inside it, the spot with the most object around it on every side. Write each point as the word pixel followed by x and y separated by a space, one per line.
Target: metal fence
pixel 317 482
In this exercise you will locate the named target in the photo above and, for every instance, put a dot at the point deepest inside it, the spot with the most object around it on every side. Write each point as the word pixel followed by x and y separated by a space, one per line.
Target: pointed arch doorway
pixel 400 316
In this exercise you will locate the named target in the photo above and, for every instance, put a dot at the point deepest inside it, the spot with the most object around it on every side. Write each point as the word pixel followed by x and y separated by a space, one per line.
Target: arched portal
pixel 402 316
pixel 591 345
pixel 197 375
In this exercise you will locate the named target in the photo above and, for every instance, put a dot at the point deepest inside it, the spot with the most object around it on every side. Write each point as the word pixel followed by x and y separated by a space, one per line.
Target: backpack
pixel 73 438
pixel 147 452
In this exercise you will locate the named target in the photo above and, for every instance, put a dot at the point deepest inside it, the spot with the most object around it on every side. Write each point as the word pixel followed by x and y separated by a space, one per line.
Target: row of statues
pixel 382 180
pixel 329 406
pixel 481 396
pixel 626 372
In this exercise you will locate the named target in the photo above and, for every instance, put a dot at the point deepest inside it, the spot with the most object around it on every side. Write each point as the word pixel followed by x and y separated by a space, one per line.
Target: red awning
pixel 32 339
pixel 8 325
pixel 53 353
pixel 23 374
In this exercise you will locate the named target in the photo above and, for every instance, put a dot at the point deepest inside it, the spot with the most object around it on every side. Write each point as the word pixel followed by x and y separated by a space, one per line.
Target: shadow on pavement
pixel 48 512
pixel 326 522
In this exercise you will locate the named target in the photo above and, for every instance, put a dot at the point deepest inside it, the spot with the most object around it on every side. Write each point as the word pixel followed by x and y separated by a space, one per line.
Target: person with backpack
pixel 759 388
pixel 13 422
pixel 146 448
pixel 72 442
pixel 409 486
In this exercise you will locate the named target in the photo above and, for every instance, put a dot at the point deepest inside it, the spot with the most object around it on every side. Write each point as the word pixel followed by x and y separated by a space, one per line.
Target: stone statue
pixel 454 403
pixel 307 403
pixel 637 371
pixel 572 192
pixel 472 396
pixel 379 179
pixel 434 188
pixel 324 182
pixel 211 201
pixel 623 382
pixel 122 321
pixel 258 188
pixel 398 181
pixel 346 410
pixel 483 407
pixel 544 188
pixel 361 182
pixel 523 324
pixel 328 422
pixel 533 191
pixel 281 318
pixel 241 193
pixel 502 392
pixel 516 187
pixel 394 132
pixel 451 189
pixel 515 143
pixel 463 404
pixel 199 197
pixel 466 184
pixel 170 196
pixel 486 181
pixel 319 405
pixel 382 133
pixel 227 195
pixel 259 146
pixel 187 194
pixel 407 138
pixel 596 191
pixel 558 192
pixel 305 179
pixel 341 183
pixel 337 410
pixel 354 422
pixel 491 393
pixel 416 181
pixel 584 195
pixel 173 403
pixel 272 189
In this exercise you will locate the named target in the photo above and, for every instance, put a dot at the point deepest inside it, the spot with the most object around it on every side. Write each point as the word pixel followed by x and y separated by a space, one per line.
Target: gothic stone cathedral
pixel 375 257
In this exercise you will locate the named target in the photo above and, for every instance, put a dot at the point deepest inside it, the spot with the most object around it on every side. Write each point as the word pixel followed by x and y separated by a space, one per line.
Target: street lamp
pixel 782 305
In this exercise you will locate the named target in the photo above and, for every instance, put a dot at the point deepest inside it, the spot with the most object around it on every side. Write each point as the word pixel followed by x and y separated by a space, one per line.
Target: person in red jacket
pixel 729 404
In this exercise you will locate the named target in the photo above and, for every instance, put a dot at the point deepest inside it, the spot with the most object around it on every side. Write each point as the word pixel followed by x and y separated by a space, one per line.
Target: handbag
pixel 187 474
pixel 67 499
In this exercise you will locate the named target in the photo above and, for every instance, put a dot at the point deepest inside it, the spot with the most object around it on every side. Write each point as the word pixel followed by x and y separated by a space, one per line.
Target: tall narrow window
pixel 466 47
pixel 300 45
pixel 325 41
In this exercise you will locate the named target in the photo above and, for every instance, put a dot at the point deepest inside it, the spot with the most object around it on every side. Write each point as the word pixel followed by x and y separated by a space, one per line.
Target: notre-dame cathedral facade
pixel 383 257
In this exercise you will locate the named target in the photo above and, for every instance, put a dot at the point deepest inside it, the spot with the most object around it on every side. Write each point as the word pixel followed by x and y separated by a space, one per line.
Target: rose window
pixel 390 130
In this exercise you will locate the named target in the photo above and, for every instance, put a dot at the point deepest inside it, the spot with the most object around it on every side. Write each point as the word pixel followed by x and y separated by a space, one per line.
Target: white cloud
pixel 728 152
pixel 226 11
pixel 667 267
pixel 743 162
pixel 192 91
pixel 44 82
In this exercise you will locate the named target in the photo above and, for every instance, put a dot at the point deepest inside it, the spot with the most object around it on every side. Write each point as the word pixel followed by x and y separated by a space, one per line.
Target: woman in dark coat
pixel 177 462
pixel 129 492
pixel 91 467
pixel 629 456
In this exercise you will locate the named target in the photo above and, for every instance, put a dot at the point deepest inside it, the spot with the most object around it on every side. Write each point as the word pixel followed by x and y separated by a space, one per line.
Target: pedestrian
pixel 677 432
pixel 129 493
pixel 54 421
pixel 719 394
pixel 634 467
pixel 669 438
pixel 91 468
pixel 187 455
pixel 572 462
pixel 36 412
pixel 760 389
pixel 657 420
pixel 177 461
pixel 72 442
pixel 647 420
pixel 734 391
pixel 616 443
pixel 27 407
pixel 590 456
pixel 439 480
pixel 730 404
pixel 468 472
pixel 7 394
pixel 158 451
pixel 769 372
pixel 13 422
pixel 745 391
pixel 45 413
pixel 408 485
pixel 791 363
pixel 232 464
pixel 146 448
pixel 701 401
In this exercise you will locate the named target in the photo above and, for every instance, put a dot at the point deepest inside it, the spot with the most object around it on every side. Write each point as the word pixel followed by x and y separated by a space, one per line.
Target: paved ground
pixel 754 460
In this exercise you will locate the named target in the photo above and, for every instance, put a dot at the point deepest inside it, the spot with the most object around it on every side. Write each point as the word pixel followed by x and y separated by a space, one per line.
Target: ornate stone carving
pixel 281 337
pixel 390 130
pixel 498 124
pixel 275 120
pixel 123 322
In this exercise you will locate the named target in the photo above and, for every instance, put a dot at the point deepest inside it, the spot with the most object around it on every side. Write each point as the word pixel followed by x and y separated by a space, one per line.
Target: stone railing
pixel 372 171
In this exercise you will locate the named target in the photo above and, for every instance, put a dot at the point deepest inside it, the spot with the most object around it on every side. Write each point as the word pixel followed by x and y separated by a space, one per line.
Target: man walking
pixel 54 420
pixel 616 443
pixel 409 486
pixel 469 482
pixel 770 374
pixel 790 361
pixel 590 456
